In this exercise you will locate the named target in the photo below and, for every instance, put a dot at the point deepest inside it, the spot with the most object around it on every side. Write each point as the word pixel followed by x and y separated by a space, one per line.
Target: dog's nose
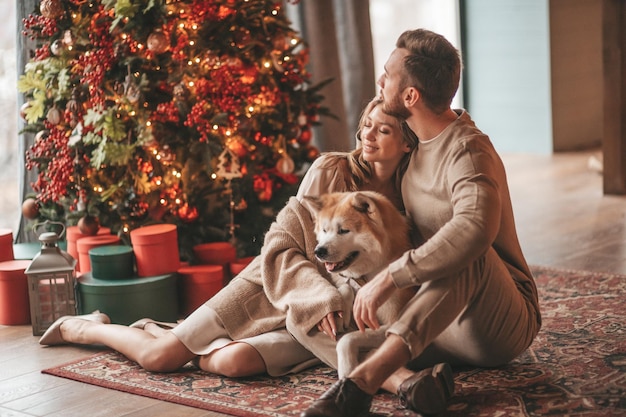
pixel 321 252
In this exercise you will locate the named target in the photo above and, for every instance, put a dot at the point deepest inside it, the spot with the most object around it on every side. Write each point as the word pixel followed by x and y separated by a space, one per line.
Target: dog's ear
pixel 362 202
pixel 315 203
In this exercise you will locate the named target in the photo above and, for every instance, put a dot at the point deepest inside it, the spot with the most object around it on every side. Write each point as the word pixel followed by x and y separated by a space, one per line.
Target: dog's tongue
pixel 330 267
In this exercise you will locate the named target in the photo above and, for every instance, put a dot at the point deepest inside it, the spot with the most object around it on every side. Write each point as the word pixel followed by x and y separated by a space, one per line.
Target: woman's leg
pixel 237 359
pixel 165 353
pixel 275 353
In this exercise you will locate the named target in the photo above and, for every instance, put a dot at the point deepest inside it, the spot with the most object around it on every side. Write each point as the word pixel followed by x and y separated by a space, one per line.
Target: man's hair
pixel 433 66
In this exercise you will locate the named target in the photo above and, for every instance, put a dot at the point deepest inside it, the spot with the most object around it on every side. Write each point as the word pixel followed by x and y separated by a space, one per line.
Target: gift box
pixel 239 265
pixel 128 300
pixel 6 245
pixel 73 234
pixel 216 253
pixel 112 262
pixel 14 298
pixel 85 244
pixel 156 249
pixel 196 284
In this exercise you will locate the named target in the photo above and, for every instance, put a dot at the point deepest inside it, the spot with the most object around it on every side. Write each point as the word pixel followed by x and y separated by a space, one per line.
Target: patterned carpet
pixel 576 366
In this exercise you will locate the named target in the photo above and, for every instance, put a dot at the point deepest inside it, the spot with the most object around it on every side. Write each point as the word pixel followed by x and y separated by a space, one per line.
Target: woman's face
pixel 381 138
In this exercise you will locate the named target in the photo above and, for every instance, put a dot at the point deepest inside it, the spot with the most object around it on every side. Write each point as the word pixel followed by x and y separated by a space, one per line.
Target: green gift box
pixel 112 262
pixel 128 300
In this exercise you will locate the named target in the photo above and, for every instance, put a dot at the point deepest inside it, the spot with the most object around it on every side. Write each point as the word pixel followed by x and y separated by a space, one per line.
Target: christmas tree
pixel 193 112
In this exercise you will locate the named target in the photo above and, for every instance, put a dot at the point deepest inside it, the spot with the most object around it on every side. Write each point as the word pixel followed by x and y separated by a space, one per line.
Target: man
pixel 477 301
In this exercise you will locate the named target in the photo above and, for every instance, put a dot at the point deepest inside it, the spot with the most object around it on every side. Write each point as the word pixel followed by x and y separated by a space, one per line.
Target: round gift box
pixel 112 262
pixel 215 253
pixel 196 284
pixel 73 234
pixel 128 300
pixel 6 245
pixel 86 244
pixel 239 265
pixel 156 249
pixel 14 302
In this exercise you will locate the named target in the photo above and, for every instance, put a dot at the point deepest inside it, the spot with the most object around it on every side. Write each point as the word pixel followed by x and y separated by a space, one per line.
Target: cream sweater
pixel 455 191
pixel 285 283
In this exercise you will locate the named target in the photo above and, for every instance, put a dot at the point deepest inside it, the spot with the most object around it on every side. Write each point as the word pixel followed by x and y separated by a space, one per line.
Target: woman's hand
pixel 328 325
pixel 370 297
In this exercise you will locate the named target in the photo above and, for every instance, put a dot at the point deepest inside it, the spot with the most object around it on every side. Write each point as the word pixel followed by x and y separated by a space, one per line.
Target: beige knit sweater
pixel 285 283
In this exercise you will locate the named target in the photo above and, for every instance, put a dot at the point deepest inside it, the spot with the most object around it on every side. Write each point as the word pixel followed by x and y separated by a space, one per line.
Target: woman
pixel 239 330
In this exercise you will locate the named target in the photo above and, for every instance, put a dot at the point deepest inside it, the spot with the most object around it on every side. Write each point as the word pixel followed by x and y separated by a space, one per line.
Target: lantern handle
pixel 36 227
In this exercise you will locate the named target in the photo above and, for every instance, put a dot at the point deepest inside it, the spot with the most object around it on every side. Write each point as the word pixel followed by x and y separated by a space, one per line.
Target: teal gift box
pixel 128 300
pixel 112 262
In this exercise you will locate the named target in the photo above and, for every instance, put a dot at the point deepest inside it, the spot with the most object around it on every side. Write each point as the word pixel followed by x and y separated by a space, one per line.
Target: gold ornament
pixel 285 165
pixel 30 209
pixel 54 115
pixel 52 9
pixel 158 42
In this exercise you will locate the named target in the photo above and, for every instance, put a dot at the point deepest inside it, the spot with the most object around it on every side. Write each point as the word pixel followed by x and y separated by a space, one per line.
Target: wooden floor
pixel 563 221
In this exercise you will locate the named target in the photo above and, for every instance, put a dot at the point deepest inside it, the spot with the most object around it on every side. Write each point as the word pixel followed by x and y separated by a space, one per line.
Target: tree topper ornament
pixel 229 166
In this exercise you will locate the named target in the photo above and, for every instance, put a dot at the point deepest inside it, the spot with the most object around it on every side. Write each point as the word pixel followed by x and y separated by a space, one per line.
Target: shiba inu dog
pixel 358 234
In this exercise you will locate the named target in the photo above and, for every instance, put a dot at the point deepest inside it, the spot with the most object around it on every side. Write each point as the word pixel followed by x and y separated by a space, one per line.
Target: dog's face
pixel 351 237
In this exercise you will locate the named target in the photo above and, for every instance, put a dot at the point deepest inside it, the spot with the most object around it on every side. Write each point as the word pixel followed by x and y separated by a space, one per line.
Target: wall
pixel 576 60
pixel 534 72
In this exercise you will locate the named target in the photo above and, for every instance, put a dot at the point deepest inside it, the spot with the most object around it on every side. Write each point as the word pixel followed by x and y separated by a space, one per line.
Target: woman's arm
pixel 293 280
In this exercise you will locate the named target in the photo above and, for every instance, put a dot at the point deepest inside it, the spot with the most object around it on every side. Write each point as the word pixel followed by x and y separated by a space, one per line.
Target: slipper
pixel 52 335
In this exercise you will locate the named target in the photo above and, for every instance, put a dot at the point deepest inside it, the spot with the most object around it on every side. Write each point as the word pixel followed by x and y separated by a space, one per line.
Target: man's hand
pixel 328 325
pixel 370 297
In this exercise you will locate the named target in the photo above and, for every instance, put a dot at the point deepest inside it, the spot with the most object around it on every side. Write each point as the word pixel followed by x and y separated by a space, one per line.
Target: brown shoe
pixel 428 391
pixel 343 399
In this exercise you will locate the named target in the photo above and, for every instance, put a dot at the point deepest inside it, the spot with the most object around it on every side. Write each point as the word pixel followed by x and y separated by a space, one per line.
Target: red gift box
pixel 6 245
pixel 85 244
pixel 198 283
pixel 14 302
pixel 156 249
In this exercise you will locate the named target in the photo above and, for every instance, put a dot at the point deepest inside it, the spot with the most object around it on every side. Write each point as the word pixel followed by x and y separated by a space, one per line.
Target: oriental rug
pixel 576 366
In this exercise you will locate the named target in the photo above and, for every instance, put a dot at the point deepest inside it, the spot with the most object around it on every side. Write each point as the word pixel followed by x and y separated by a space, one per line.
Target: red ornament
pixel 305 136
pixel 188 214
pixel 30 209
pixel 263 186
pixel 312 153
pixel 88 225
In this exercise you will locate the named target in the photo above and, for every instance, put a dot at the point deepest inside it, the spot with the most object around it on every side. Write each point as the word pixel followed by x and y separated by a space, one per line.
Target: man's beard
pixel 394 107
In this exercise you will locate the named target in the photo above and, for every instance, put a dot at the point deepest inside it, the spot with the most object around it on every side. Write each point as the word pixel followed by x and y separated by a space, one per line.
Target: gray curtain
pixel 24 47
pixel 340 39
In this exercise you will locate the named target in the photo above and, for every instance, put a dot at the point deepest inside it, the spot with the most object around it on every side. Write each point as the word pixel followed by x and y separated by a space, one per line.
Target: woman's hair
pixel 360 169
pixel 433 66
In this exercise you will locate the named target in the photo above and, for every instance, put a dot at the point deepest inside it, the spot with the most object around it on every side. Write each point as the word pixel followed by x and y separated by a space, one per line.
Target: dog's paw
pixel 347 295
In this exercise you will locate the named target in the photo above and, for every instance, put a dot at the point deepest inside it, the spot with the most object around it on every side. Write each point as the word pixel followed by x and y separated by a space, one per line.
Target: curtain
pixel 339 36
pixel 26 139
